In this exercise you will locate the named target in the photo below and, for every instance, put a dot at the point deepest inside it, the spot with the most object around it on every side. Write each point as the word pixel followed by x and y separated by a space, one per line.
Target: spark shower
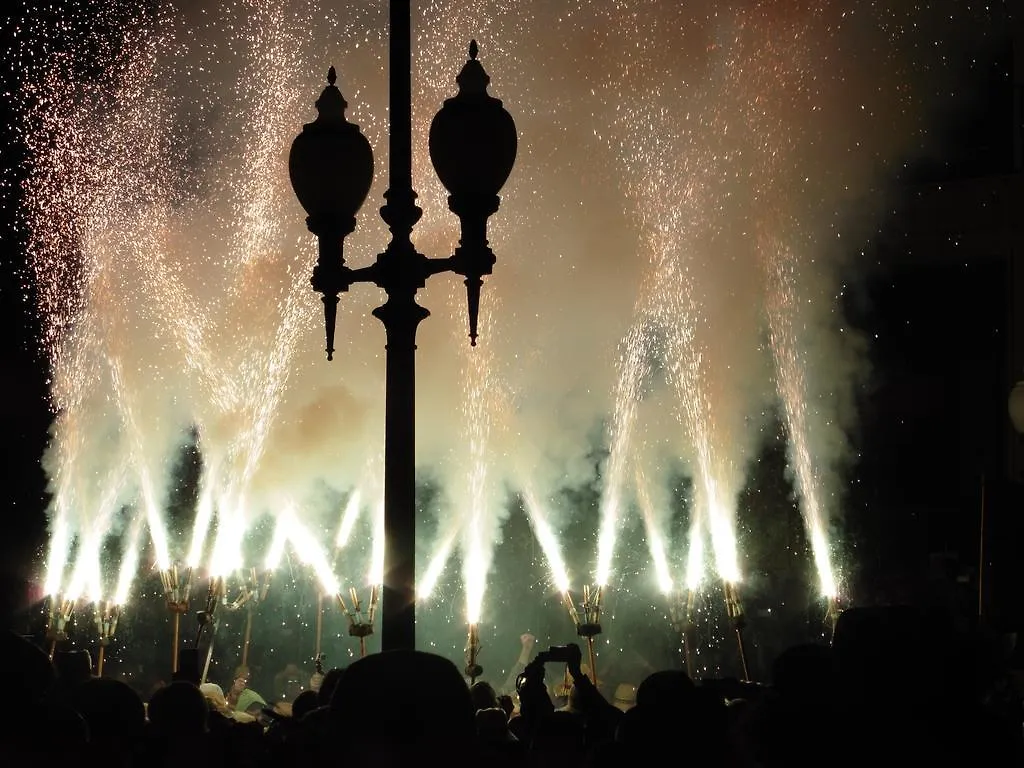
pixel 694 182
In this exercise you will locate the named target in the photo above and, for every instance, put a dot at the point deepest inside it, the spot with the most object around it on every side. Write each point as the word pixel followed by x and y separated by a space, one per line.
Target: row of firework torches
pixel 178 588
pixel 682 611
pixel 252 592
pixel 586 618
pixel 106 614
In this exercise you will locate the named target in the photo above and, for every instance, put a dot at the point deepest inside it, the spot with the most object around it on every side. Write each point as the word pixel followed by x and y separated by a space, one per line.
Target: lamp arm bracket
pixel 367 274
pixel 435 266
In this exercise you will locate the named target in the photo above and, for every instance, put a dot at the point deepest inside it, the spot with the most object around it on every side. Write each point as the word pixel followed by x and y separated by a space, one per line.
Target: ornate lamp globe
pixel 473 142
pixel 331 169
pixel 331 164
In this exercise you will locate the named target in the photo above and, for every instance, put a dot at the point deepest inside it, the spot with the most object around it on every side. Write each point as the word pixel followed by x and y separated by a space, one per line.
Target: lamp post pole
pixel 472 147
pixel 401 316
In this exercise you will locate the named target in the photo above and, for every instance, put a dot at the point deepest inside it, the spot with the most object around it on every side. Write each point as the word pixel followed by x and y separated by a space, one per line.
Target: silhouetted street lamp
pixel 472 147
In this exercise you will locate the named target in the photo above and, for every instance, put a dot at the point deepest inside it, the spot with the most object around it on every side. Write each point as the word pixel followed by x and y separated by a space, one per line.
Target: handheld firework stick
pixel 571 607
pixel 358 625
pixel 58 620
pixel 320 623
pixel 251 593
pixel 107 615
pixel 738 621
pixel 245 596
pixel 589 625
pixel 177 591
pixel 473 669
pixel 213 596
pixel 209 654
pixel 681 612
pixel 206 617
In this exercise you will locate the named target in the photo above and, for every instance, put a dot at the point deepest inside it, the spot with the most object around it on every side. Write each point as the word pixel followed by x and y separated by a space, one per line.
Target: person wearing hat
pixel 241 697
pixel 250 702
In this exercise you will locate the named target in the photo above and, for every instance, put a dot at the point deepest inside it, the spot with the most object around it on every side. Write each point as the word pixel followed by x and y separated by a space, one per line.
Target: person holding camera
pixel 598 718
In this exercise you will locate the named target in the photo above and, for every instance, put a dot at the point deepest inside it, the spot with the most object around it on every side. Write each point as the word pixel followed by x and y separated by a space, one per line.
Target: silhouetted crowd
pixel 897 686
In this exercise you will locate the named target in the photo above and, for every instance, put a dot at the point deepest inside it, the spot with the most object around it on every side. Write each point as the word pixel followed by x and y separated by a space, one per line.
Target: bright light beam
pixel 655 540
pixel 548 541
pixel 348 519
pixel 428 583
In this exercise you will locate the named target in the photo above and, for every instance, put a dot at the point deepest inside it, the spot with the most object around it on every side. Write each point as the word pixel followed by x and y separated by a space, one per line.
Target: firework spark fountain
pixel 632 370
pixel 481 497
pixel 779 65
pixel 793 391
pixel 677 211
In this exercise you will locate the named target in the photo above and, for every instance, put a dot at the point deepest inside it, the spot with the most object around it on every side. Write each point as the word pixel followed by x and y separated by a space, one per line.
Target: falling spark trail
pixel 190 329
pixel 632 370
pixel 157 531
pixel 794 394
pixel 259 203
pixel 478 412
pixel 782 72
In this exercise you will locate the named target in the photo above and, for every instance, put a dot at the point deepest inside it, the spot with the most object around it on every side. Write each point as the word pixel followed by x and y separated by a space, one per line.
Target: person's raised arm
pixel 527 642
pixel 601 716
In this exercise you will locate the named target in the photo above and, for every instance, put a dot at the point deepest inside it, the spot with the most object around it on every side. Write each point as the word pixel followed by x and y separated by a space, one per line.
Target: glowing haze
pixel 691 183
